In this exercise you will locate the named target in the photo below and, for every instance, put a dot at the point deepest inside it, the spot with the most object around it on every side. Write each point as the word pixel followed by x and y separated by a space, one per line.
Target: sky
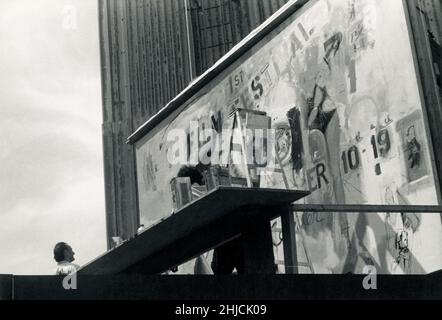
pixel 51 170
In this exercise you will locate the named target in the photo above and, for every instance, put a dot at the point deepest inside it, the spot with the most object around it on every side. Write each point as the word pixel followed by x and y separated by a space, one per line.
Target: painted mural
pixel 339 84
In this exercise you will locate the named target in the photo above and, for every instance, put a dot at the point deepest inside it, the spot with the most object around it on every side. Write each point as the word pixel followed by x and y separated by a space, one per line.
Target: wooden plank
pixel 114 61
pixel 148 60
pixel 109 183
pixel 119 179
pixel 156 54
pixel 131 187
pixel 209 33
pixel 147 72
pixel 244 17
pixel 266 9
pixel 132 57
pixel 150 40
pixel 140 65
pixel 218 45
pixel 235 22
pixel 184 54
pixel 223 21
pixel 228 27
pixel 195 22
pixel 105 61
pixel 180 44
pixel 254 13
pixel 142 92
pixel 123 75
pixel 187 64
pixel 163 76
pixel 125 195
pixel 223 28
pixel 168 49
pixel 179 237
pixel 205 57
pixel 188 44
pixel 170 18
pixel 259 11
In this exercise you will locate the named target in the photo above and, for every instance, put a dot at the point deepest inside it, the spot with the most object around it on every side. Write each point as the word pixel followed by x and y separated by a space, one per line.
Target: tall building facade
pixel 150 51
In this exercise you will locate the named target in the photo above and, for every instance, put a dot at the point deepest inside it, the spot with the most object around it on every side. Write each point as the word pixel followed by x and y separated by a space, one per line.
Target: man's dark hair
pixel 59 251
pixel 193 173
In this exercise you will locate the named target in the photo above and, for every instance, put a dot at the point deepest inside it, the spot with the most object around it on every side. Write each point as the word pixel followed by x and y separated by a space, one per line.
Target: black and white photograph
pixel 220 150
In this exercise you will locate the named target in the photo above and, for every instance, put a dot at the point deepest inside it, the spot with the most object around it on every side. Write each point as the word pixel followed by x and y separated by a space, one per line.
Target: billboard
pixel 337 82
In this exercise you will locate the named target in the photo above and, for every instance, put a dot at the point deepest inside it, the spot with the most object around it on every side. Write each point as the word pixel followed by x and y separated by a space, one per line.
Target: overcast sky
pixel 51 172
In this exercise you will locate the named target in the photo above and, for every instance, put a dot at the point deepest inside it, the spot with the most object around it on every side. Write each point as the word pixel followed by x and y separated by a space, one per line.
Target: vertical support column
pixel 257 246
pixel 289 241
pixel 190 41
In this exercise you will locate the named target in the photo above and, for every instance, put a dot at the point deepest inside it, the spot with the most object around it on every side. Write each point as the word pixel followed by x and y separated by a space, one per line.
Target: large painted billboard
pixel 338 83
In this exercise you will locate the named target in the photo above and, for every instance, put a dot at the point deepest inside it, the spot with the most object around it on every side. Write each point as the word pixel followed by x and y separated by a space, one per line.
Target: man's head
pixel 63 252
pixel 191 172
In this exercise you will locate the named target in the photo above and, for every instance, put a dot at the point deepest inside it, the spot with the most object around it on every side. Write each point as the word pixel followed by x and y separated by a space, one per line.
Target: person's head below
pixel 63 252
